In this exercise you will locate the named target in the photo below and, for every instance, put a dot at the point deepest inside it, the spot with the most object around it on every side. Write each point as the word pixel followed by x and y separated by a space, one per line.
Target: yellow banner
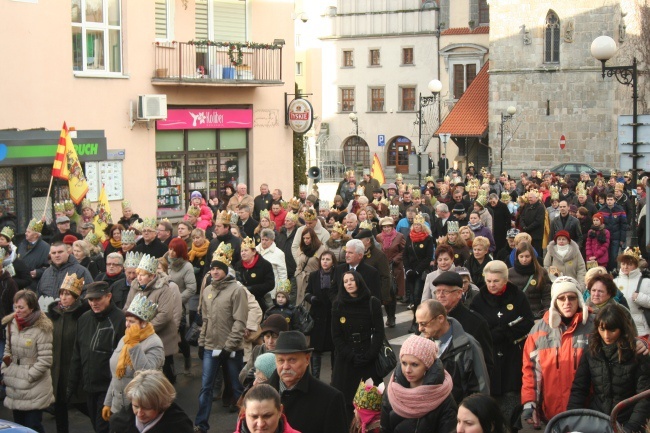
pixel 103 215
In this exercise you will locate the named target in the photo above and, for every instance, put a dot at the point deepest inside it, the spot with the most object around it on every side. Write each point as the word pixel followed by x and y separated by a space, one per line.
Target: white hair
pixel 356 245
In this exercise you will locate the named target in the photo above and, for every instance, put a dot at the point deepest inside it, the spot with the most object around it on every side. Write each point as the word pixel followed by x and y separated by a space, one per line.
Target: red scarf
pixel 252 263
pixel 387 238
pixel 502 291
pixel 418 237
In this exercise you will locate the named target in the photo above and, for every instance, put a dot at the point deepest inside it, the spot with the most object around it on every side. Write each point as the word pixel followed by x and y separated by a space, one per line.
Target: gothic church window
pixel 552 38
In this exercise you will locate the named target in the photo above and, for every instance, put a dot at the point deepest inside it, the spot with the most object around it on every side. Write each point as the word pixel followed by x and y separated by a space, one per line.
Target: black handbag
pixel 305 321
pixel 386 360
pixel 193 333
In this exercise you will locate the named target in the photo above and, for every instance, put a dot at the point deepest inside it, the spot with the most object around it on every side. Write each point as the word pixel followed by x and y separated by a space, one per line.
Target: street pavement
pixel 221 420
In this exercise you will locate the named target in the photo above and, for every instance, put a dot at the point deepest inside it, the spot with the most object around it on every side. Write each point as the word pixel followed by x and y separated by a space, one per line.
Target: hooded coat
pixel 571 265
pixel 27 378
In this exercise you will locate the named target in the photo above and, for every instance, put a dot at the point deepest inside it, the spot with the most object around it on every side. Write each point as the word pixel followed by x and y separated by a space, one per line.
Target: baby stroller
pixel 591 421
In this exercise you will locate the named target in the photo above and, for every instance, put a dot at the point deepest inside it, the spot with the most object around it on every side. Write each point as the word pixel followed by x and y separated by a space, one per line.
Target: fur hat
pixel 591 273
pixel 562 285
pixel 422 348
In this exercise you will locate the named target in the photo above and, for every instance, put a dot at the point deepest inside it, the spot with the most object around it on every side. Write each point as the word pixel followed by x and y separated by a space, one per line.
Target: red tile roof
pixel 482 30
pixel 469 117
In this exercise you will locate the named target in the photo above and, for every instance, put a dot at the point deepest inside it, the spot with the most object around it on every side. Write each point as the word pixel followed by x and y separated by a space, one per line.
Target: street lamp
pixel 434 86
pixel 603 48
pixel 504 118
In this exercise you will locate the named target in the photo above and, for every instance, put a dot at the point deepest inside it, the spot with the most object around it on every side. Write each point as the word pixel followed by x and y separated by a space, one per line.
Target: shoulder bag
pixel 386 360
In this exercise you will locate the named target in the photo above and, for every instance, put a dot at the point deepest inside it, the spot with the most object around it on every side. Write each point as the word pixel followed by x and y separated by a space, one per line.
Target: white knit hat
pixel 562 285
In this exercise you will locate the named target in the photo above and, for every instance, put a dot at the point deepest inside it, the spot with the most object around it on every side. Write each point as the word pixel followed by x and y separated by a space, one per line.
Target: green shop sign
pixel 39 147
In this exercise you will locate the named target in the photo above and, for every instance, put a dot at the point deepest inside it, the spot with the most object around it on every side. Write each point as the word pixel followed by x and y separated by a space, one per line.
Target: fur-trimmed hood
pixel 158 282
pixel 43 322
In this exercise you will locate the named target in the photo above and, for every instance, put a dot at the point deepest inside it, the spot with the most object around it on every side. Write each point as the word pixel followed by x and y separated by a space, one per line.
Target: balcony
pixel 211 64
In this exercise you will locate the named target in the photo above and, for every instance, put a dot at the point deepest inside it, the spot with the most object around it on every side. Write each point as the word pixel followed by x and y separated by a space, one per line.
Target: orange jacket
pixel 550 362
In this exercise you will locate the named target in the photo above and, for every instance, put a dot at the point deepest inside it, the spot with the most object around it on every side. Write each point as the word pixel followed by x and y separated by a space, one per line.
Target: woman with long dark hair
pixel 611 371
pixel 531 278
pixel 308 260
pixel 480 413
pixel 358 333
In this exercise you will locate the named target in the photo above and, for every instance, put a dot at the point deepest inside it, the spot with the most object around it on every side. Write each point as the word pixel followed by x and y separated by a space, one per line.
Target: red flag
pixel 58 169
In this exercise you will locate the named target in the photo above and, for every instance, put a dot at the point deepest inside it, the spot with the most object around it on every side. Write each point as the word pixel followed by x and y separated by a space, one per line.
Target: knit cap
pixel 422 348
pixel 600 217
pixel 562 285
pixel 195 194
pixel 265 363
pixel 562 233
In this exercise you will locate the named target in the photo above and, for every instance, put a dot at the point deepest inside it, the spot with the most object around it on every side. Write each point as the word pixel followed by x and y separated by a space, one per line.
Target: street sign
pixel 562 142
pixel 381 140
pixel 625 138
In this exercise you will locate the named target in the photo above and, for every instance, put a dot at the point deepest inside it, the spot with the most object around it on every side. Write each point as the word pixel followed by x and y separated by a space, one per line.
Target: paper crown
pixel 360 190
pixel 369 396
pixel 633 252
pixel 302 188
pixel 35 225
pixel 68 205
pixel 366 172
pixel 85 204
pixel 555 193
pixel 294 203
pixel 7 232
pixel 323 204
pixel 132 259
pixel 482 197
pixel 505 196
pixel 284 286
pixel 265 214
pixel 619 186
pixel 143 308
pixel 309 215
pixel 452 227
pixel 339 228
pixel 224 217
pixel 447 179
pixel 194 211
pixel 484 170
pixel 580 189
pixel 248 243
pixel 393 210
pixel 59 207
pixel 399 176
pixel 471 164
pixel 72 284
pixel 365 225
pixel 291 217
pixel 126 205
pixel 614 173
pixel 415 193
pixel 284 204
pixel 428 179
pixel 223 253
pixel 628 174
pixel 92 239
pixel 149 223
pixel 128 236
pixel 409 187
pixel 148 264
pixel 418 219
pixel 136 225
pixel 533 192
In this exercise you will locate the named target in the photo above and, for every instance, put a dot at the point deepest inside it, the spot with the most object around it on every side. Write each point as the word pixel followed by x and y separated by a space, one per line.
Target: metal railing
pixel 190 63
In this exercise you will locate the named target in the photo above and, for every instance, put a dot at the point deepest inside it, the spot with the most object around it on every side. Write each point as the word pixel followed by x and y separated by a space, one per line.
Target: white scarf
pixel 562 250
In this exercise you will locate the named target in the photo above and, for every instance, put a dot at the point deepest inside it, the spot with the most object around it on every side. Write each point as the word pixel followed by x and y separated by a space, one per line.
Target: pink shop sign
pixel 207 118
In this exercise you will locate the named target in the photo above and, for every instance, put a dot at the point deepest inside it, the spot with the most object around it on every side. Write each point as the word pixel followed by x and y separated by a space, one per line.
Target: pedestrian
pixel 480 413
pixel 597 241
pixel 114 241
pixel 478 260
pixel 283 306
pixel 635 288
pixel 271 328
pixel 393 243
pixel 417 257
pixel 531 278
pixel 308 260
pixel 563 258
pixel 444 259
pixel 479 229
pixel 263 411
pixel 602 291
pixel 256 273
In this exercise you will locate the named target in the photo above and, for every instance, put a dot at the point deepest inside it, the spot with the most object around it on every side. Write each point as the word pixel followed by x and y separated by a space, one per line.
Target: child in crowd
pixel 282 306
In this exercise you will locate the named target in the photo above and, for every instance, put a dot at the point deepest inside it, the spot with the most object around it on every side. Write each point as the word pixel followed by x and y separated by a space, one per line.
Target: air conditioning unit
pixel 151 107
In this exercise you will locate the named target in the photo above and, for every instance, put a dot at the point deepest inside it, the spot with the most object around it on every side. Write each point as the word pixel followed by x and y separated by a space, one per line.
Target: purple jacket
pixel 486 232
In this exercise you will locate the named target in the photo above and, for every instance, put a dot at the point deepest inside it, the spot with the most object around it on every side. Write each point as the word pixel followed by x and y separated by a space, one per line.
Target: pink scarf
pixel 366 416
pixel 387 239
pixel 419 401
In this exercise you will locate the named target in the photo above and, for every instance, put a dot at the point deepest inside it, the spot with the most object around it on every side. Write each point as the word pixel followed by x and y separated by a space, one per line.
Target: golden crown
pixel 149 223
pixel 471 164
pixel 580 189
pixel 339 228
pixel 365 225
pixel 92 239
pixel 418 219
pixel 415 193
pixel 291 217
pixel 428 179
pixel 68 205
pixel 633 252
pixel 143 308
pixel 59 207
pixel 72 284
pixel 248 243
pixel 409 187
pixel 3 253
pixel 309 215
pixel 85 203
pixel 35 225
pixel 555 192
pixel 194 211
pixel 128 236
pixel 223 253
pixel 533 192
pixel 148 264
pixel 264 213
pixel 132 259
pixel 126 205
pixel 136 225
pixel 8 232
pixel 619 186
pixel 614 173
pixel 505 196
pixel 368 396
pixel 294 203
pixel 284 204
pixel 482 197
pixel 284 286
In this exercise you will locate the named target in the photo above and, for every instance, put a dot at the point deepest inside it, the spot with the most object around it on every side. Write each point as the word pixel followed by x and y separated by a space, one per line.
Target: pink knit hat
pixel 422 348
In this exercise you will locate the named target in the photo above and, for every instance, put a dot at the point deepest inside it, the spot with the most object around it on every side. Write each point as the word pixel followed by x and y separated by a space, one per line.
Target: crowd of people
pixel 526 299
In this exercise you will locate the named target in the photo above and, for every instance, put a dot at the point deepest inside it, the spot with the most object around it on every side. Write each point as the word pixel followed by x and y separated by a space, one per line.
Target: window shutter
pixel 471 74
pixel 459 80
pixel 161 19
pixel 229 21
pixel 201 20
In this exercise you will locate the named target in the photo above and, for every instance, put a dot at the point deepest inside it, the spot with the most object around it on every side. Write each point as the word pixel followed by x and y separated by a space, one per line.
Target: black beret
pixel 459 208
pixel 365 233
pixel 449 278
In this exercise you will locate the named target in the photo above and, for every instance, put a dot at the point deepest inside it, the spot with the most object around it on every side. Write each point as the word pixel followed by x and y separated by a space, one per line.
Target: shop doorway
pixel 356 153
pixel 399 149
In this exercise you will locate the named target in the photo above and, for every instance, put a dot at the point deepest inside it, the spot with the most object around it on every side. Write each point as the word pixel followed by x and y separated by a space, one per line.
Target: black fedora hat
pixel 291 342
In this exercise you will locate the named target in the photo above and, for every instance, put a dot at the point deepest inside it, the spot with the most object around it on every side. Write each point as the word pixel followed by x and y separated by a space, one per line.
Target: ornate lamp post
pixel 504 118
pixel 434 86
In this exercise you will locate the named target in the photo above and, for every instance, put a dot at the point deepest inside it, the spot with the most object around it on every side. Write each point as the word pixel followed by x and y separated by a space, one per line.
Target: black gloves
pixel 201 352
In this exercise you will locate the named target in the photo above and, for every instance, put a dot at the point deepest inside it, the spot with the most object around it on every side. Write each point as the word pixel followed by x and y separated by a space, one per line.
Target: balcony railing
pixel 192 64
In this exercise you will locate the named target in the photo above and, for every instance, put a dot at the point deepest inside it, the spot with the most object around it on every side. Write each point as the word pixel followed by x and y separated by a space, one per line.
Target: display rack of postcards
pixel 170 184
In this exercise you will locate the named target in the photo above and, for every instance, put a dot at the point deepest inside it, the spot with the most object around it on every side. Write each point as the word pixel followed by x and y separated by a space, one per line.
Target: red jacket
pixel 278 219
pixel 550 362
pixel 593 248
pixel 286 427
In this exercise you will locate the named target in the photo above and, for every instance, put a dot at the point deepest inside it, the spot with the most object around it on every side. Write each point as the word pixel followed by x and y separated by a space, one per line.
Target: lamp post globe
pixel 353 117
pixel 603 48
pixel 511 110
pixel 435 86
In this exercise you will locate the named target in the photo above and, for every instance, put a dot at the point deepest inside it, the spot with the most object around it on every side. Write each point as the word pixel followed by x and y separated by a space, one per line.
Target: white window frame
pixel 452 57
pixel 299 68
pixel 105 27
pixel 170 22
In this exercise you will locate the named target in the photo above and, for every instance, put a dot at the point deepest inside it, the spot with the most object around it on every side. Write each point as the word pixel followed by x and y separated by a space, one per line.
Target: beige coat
pixel 571 265
pixel 224 309
pixel 305 266
pixel 166 294
pixel 28 378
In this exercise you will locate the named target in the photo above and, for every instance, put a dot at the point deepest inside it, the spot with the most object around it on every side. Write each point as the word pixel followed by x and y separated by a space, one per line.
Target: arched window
pixel 356 151
pixel 552 38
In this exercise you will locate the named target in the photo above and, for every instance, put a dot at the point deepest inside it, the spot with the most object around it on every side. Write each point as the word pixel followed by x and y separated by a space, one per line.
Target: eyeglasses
pixel 570 298
pixel 424 324
pixel 444 292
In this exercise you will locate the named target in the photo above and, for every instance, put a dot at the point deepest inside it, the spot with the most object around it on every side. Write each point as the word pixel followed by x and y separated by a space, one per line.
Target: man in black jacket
pixel 223 235
pixel 246 223
pixel 98 332
pixel 309 404
pixel 354 252
pixel 150 244
pixel 34 251
pixel 500 220
pixel 564 221
pixel 262 201
pixel 376 258
pixel 532 220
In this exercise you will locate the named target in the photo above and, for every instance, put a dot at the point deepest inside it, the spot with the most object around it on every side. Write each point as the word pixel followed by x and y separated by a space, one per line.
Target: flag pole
pixel 47 197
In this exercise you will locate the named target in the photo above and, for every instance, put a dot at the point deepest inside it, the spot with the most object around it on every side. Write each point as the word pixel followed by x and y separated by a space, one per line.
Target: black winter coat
pixel 284 242
pixel 120 292
pixel 440 420
pixel 155 248
pixel 418 255
pixel 259 280
pixel 321 312
pixel 8 289
pixel 97 338
pixel 501 219
pixel 358 333
pixel 537 292
pixel 532 220
pixel 613 381
pixel 476 269
pixel 571 225
pixel 173 420
pixel 36 258
pixel 510 319
pixel 369 274
pixel 475 325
